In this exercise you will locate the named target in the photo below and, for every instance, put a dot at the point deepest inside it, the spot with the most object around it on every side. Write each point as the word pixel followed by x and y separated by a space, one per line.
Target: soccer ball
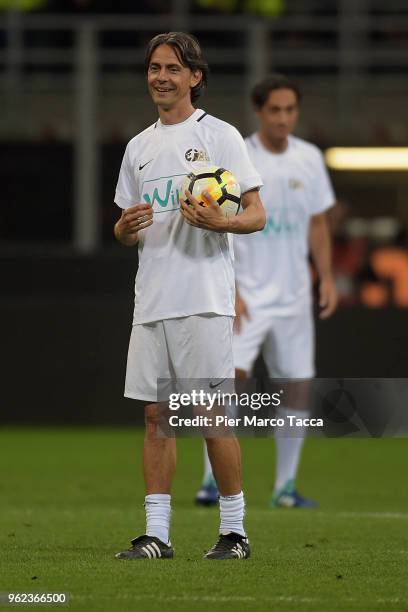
pixel 221 184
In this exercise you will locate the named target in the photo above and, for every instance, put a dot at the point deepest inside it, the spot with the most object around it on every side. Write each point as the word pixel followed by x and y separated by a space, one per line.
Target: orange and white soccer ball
pixel 221 184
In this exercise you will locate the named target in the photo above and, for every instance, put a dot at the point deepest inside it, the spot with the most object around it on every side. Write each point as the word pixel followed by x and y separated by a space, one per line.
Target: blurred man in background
pixel 273 281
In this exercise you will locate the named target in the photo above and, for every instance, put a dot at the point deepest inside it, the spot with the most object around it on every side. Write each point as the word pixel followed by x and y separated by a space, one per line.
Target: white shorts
pixel 198 346
pixel 287 344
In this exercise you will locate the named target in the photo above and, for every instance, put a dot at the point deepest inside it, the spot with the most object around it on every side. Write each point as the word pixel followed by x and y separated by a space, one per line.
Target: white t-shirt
pixel 271 267
pixel 183 270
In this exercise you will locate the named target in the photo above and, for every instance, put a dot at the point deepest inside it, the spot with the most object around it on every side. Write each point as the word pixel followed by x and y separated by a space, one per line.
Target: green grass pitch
pixel 71 498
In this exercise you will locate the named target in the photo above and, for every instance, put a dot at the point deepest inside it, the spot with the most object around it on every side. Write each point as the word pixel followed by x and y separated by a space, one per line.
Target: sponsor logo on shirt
pixel 163 192
pixel 282 222
pixel 295 184
pixel 193 155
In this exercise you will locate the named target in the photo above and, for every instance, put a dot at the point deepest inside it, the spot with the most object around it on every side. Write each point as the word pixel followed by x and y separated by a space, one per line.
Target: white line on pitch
pixel 391 515
pixel 237 598
pixel 321 513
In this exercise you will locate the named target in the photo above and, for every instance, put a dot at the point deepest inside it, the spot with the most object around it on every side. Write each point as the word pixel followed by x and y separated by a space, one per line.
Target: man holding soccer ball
pixel 184 291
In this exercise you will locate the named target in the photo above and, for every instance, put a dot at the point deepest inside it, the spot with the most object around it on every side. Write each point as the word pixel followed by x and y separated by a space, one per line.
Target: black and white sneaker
pixel 230 546
pixel 147 547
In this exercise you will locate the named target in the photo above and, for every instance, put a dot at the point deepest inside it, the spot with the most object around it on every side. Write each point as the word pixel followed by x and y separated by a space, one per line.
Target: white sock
pixel 158 511
pixel 232 510
pixel 208 478
pixel 288 448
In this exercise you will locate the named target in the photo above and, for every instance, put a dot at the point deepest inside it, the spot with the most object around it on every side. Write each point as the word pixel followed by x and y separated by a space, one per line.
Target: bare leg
pixel 289 442
pixel 225 457
pixel 240 374
pixel 159 455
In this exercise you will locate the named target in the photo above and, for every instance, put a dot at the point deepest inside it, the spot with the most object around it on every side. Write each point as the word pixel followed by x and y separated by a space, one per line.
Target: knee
pixel 152 419
pixel 240 374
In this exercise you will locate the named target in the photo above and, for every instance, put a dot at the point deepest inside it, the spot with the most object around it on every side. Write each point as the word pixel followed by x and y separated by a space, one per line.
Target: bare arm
pixel 132 220
pixel 210 217
pixel 320 247
pixel 252 218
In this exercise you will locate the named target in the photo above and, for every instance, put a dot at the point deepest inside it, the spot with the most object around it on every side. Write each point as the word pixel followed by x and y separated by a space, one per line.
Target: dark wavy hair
pixel 188 51
pixel 260 92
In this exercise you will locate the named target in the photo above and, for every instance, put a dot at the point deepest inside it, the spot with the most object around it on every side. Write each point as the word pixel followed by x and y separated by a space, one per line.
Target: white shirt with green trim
pixel 271 267
pixel 183 270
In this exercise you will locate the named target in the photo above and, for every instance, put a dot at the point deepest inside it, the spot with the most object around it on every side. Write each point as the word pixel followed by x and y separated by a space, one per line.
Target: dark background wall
pixel 65 325
pixel 38 180
pixel 38 189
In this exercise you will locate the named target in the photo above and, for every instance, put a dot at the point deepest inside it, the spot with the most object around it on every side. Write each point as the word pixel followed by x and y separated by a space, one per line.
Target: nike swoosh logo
pixel 142 166
pixel 213 385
